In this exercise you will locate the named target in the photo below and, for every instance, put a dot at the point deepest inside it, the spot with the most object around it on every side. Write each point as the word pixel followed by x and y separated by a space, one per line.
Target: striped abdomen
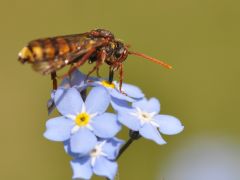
pixel 51 54
pixel 46 49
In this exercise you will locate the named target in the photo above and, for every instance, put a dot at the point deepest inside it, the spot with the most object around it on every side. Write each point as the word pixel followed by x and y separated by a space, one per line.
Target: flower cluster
pixel 89 132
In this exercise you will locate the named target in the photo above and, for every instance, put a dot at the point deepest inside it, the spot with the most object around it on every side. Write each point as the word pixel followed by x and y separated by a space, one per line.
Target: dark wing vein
pixel 48 66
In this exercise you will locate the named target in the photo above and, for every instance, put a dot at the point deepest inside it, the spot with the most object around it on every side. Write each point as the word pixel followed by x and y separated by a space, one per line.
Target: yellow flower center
pixel 82 119
pixel 107 84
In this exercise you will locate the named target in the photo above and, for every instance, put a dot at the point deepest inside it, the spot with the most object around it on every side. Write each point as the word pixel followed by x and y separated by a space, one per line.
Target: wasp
pixel 99 46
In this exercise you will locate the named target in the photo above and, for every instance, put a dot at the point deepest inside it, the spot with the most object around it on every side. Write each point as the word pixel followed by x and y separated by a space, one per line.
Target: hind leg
pixel 50 103
pixel 54 80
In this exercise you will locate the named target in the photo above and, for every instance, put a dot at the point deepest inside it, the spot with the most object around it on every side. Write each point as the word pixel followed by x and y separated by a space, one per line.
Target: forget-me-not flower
pixel 100 161
pixel 119 99
pixel 82 121
pixel 144 117
pixel 77 79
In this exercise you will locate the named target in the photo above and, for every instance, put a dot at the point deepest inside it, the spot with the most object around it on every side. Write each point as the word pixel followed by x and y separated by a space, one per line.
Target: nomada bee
pixel 48 55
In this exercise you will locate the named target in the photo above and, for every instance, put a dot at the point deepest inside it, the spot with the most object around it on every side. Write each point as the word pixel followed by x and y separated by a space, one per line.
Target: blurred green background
pixel 200 38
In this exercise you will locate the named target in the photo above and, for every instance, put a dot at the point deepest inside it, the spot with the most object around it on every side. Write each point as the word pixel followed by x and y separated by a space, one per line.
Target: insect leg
pixel 54 79
pixel 111 74
pixel 99 62
pixel 120 77
pixel 98 74
pixel 80 62
pixel 96 67
pixel 51 104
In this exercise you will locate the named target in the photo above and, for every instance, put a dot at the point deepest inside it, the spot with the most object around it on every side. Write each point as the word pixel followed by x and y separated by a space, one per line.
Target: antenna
pixel 151 59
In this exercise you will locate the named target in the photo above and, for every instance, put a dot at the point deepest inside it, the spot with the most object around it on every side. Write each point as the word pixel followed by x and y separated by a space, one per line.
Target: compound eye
pixel 118 54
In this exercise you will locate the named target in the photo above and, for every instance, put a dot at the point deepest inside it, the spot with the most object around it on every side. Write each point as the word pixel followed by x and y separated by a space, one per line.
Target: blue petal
pixel 112 147
pixel 65 83
pixel 97 100
pixel 151 105
pixel 168 124
pixel 82 168
pixel 83 141
pixel 77 79
pixel 117 94
pixel 150 132
pixel 58 129
pixel 82 87
pixel 119 104
pixel 132 91
pixel 106 125
pixel 68 150
pixel 68 101
pixel 132 122
pixel 105 167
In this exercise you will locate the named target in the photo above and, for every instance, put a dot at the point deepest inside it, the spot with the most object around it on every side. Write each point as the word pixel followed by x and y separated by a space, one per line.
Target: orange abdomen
pixel 46 49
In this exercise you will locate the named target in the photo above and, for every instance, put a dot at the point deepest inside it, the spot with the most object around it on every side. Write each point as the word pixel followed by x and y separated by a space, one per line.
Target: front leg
pixel 111 75
pixel 121 77
pixel 119 67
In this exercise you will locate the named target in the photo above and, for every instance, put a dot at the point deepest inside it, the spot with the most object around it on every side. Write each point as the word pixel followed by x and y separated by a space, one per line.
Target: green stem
pixel 125 146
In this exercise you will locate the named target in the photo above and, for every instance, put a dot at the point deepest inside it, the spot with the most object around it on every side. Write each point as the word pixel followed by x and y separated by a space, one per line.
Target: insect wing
pixel 85 45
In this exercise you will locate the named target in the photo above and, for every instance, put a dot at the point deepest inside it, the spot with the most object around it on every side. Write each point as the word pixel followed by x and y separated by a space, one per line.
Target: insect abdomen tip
pixel 25 55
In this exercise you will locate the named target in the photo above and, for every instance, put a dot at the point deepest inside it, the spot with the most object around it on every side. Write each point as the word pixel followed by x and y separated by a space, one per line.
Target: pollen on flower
pixel 95 152
pixel 143 116
pixel 107 84
pixel 82 119
pixel 146 116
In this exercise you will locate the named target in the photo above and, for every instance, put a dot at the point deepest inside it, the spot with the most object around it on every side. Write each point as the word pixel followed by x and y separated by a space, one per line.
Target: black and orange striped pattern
pixel 50 48
pixel 50 54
